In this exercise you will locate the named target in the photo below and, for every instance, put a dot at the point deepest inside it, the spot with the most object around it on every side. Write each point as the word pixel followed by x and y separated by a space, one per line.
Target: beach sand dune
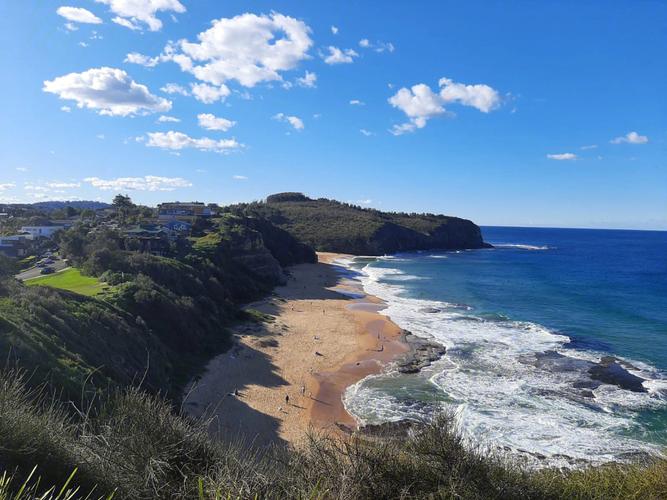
pixel 319 340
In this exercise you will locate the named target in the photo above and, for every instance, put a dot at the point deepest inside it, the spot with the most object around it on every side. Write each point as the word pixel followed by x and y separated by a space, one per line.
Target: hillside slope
pixel 332 226
pixel 160 319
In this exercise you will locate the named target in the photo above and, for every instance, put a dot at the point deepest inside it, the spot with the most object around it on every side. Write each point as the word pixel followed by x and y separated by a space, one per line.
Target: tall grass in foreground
pixel 135 446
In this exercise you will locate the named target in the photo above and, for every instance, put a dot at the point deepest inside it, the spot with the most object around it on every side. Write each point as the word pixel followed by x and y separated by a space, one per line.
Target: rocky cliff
pixel 329 225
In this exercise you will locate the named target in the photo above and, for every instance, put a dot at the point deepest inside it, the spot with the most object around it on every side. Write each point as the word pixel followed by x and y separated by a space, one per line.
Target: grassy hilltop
pixel 332 226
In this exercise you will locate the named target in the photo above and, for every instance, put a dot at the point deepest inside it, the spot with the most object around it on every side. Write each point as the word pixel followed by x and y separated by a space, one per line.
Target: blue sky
pixel 507 113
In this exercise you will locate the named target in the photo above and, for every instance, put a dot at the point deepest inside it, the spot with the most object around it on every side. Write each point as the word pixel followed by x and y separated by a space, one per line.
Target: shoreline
pixel 322 334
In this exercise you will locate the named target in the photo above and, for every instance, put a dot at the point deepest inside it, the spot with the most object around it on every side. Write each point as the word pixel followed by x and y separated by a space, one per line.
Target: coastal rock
pixel 422 353
pixel 611 370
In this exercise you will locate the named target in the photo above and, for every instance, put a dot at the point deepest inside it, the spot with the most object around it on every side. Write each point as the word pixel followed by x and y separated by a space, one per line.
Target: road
pixel 34 272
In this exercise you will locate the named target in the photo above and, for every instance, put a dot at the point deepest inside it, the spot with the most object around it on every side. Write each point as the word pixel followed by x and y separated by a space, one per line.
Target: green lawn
pixel 70 279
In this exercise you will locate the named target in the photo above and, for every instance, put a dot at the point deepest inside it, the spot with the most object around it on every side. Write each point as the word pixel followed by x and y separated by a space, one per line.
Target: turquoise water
pixel 524 323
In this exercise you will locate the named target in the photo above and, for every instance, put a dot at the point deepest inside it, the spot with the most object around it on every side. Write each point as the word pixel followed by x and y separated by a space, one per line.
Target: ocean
pixel 526 326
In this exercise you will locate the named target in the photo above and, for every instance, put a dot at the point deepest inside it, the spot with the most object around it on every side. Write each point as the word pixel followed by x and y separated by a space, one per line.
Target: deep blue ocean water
pixel 523 323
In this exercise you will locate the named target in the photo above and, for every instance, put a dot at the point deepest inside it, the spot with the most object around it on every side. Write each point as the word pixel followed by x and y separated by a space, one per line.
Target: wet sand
pixel 322 335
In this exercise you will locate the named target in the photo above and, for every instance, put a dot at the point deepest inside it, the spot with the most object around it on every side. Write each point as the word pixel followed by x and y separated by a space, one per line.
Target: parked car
pixel 47 270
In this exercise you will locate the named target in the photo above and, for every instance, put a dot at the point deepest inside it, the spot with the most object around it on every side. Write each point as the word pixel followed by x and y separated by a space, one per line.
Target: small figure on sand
pixel 287 399
pixel 317 353
pixel 236 392
pixel 303 389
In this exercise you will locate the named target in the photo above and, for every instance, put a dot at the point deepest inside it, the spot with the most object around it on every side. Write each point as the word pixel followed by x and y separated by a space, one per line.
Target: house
pixel 15 245
pixel 147 239
pixel 42 231
pixel 188 212
pixel 178 226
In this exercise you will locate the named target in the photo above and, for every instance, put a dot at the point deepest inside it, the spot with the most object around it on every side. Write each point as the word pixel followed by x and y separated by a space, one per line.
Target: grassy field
pixel 70 279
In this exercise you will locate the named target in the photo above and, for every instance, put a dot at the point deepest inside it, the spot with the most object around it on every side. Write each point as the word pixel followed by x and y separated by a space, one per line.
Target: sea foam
pixel 491 378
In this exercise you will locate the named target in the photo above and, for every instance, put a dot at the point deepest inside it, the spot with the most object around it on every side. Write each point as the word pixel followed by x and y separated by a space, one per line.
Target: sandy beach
pixel 323 334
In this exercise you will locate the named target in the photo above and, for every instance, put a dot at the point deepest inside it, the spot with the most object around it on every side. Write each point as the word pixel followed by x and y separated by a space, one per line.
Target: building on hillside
pixel 178 226
pixel 46 231
pixel 16 245
pixel 147 239
pixel 188 212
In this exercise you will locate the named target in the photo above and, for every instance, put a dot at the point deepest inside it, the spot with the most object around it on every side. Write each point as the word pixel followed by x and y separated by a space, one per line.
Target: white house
pixel 41 231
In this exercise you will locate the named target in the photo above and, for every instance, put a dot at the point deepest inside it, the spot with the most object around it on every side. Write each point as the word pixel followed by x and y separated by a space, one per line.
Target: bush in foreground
pixel 135 446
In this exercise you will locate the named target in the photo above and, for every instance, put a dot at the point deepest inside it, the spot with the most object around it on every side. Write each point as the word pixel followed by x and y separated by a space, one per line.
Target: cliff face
pixel 261 248
pixel 456 234
pixel 328 225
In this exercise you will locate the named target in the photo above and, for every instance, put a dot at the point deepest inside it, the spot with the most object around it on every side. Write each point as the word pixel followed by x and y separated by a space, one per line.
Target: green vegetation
pixel 120 317
pixel 332 226
pixel 96 415
pixel 71 279
pixel 137 447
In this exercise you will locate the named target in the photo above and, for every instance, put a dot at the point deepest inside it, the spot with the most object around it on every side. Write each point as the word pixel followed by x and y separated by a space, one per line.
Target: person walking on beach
pixel 287 399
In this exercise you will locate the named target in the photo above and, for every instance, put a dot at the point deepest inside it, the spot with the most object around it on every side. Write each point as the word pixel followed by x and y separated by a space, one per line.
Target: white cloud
pixel 357 102
pixel 145 183
pixel 133 12
pixel 21 169
pixel 83 44
pixel 78 15
pixel 209 94
pixel 338 56
pixel 174 88
pixel 176 141
pixel 36 188
pixel 63 185
pixel 247 48
pixel 562 156
pixel 126 23
pixel 142 60
pixel 590 146
pixel 6 186
pixel 307 80
pixel 294 121
pixel 65 109
pixel 630 138
pixel 403 128
pixel 364 202
pixel 420 103
pixel 365 43
pixel 100 136
pixel 334 30
pixel 239 178
pixel 382 46
pixel 71 26
pixel 365 132
pixel 109 91
pixel 168 119
pixel 479 96
pixel 212 122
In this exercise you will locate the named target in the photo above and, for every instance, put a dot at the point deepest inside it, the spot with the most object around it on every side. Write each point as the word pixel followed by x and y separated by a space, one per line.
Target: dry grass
pixel 135 446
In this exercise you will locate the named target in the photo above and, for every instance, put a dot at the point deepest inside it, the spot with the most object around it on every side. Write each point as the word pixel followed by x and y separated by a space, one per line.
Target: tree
pixel 124 207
